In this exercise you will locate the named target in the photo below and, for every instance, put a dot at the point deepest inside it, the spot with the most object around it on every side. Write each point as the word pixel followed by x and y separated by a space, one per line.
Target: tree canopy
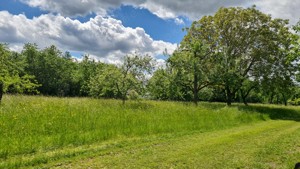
pixel 233 48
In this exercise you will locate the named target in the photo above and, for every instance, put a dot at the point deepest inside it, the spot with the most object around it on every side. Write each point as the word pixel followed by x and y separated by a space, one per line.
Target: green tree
pixel 53 70
pixel 159 85
pixel 246 88
pixel 105 83
pixel 241 44
pixel 13 78
pixel 190 63
pixel 87 69
pixel 113 81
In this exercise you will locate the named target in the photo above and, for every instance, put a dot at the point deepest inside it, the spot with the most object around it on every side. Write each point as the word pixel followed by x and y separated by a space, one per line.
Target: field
pixel 46 132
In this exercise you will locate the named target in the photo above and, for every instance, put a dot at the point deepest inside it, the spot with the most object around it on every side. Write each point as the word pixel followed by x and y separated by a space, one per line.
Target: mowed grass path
pixel 272 144
pixel 50 132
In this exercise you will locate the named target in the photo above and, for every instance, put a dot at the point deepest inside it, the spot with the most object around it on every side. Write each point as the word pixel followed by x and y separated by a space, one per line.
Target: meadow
pixel 37 131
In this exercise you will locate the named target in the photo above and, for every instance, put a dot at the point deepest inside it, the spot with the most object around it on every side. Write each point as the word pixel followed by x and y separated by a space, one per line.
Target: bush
pixel 133 95
pixel 295 102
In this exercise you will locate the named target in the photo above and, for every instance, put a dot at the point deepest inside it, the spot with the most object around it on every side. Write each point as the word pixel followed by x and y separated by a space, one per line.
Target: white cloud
pixel 285 9
pixel 179 21
pixel 159 10
pixel 78 7
pixel 193 9
pixel 102 37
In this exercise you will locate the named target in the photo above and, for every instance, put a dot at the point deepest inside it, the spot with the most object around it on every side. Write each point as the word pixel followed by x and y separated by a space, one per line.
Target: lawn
pixel 51 132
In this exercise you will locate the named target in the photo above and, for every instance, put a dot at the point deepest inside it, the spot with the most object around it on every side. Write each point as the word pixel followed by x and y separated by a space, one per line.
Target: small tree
pixel 117 81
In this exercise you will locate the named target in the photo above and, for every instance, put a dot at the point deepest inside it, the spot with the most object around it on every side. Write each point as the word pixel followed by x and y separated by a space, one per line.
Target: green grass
pixel 271 144
pixel 36 130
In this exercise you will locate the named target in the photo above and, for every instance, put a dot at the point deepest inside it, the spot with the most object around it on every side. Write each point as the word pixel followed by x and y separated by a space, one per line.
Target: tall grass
pixel 34 123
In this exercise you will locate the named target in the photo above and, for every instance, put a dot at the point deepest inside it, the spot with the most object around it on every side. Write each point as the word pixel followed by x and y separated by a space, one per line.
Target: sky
pixel 109 29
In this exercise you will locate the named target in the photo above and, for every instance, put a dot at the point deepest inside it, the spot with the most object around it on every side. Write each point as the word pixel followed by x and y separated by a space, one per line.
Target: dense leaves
pixel 13 78
pixel 234 52
pixel 118 81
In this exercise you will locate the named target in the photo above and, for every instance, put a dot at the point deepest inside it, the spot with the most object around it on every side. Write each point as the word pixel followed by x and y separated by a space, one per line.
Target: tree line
pixel 236 55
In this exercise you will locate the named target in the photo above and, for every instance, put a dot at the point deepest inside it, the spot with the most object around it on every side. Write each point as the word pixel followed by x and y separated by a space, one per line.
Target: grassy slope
pixel 50 131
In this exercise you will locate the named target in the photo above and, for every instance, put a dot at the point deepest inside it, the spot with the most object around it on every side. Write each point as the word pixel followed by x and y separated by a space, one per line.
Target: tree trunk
pixel 244 101
pixel 243 95
pixel 229 96
pixel 196 89
pixel 229 100
pixel 271 98
pixel 284 100
pixel 195 82
pixel 1 90
pixel 123 99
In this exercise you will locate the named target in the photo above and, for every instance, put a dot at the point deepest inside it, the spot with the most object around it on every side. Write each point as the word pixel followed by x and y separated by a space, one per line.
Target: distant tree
pixel 53 70
pixel 118 81
pixel 87 69
pixel 13 78
pixel 105 83
pixel 159 85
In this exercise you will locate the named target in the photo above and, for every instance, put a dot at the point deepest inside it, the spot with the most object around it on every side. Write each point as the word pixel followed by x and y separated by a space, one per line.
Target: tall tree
pixel 13 78
pixel 4 54
pixel 242 43
pixel 53 70
pixel 191 60
pixel 87 69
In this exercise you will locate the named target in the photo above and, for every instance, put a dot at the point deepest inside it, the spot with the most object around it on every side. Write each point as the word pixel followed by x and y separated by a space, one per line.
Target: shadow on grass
pixel 275 113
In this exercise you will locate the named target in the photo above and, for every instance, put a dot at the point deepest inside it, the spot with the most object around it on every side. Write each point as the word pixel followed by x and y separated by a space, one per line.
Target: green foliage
pixel 106 82
pixel 295 102
pixel 87 69
pixel 133 95
pixel 56 73
pixel 115 82
pixel 13 78
pixel 190 66
pixel 235 51
pixel 159 85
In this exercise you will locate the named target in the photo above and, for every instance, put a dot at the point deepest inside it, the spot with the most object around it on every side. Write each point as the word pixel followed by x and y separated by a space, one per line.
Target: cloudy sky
pixel 109 29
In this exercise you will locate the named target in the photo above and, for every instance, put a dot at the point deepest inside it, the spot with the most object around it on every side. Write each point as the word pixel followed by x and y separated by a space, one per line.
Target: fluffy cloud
pixel 103 37
pixel 78 7
pixel 281 9
pixel 164 9
pixel 194 9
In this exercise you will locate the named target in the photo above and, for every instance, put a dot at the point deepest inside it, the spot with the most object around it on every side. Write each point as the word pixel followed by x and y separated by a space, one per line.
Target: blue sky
pixel 15 7
pixel 108 30
pixel 157 28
